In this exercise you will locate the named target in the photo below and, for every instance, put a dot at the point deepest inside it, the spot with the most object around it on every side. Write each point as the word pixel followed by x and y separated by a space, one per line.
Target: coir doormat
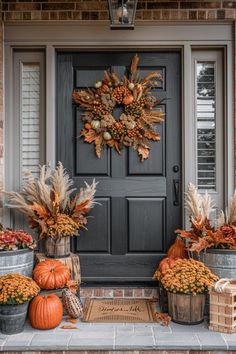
pixel 119 310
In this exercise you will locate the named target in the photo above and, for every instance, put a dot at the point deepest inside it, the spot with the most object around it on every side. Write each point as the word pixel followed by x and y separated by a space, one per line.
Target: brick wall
pixel 56 10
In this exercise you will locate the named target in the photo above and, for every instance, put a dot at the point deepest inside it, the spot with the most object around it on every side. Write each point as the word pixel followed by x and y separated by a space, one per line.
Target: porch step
pixel 118 292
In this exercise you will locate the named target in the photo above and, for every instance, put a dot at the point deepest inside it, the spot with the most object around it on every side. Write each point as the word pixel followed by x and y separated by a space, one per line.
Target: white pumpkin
pixel 107 136
pixel 98 84
pixel 95 124
pixel 131 86
pixel 130 125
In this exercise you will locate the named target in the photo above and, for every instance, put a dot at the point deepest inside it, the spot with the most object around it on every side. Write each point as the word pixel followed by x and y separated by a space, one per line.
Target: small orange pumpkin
pixel 51 274
pixel 87 126
pixel 178 249
pixel 128 99
pixel 45 311
pixel 165 264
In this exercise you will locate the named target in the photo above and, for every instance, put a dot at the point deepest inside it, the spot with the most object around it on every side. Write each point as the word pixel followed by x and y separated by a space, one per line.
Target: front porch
pixel 119 337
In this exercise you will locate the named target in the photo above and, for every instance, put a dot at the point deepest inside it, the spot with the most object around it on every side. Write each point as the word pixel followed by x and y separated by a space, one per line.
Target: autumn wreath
pixel 136 124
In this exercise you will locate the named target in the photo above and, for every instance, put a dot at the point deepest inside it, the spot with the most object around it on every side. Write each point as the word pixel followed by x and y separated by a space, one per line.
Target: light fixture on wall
pixel 122 13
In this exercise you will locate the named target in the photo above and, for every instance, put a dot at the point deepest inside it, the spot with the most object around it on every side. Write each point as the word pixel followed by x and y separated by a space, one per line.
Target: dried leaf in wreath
pixel 134 64
pixel 106 78
pixel 115 78
pixel 115 144
pixel 150 134
pixel 98 145
pixel 143 151
pixel 89 136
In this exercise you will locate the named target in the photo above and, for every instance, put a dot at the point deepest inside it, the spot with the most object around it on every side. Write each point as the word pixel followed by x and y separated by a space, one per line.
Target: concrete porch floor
pixel 119 337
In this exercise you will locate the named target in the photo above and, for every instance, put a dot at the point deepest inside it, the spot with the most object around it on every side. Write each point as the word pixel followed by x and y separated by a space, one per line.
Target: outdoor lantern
pixel 122 13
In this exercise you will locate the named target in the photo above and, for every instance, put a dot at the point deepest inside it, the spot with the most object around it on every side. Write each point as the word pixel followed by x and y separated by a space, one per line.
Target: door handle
pixel 176 192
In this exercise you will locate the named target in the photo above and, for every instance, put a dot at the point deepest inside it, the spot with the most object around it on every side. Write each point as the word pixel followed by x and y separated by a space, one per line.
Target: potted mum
pixel 187 281
pixel 214 241
pixel 46 201
pixel 16 290
pixel 16 251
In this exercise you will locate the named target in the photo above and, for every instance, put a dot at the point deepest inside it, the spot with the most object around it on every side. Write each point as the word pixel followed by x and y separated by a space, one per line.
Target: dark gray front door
pixel 141 202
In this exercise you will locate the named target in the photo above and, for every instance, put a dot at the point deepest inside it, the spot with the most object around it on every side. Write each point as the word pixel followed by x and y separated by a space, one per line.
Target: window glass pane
pixel 206 125
pixel 30 113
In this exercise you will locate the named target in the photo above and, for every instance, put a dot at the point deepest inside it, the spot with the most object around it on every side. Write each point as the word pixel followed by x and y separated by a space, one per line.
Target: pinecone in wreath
pixel 72 302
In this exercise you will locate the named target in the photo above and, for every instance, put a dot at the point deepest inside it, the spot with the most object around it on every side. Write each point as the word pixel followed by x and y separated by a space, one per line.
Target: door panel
pixel 130 231
pixel 146 216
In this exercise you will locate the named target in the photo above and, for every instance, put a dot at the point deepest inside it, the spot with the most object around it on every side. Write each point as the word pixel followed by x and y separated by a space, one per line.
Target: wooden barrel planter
pixel 163 298
pixel 220 262
pixel 19 261
pixel 12 318
pixel 186 309
pixel 57 247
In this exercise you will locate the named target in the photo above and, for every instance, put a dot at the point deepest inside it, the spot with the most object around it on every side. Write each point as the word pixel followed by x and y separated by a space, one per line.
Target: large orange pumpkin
pixel 45 312
pixel 51 274
pixel 178 249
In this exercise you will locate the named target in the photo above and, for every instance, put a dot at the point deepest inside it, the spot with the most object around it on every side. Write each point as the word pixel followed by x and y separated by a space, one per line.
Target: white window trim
pixel 211 55
pixel 13 131
pixel 166 35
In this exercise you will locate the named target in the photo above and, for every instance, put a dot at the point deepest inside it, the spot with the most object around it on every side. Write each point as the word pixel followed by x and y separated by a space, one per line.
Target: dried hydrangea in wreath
pixel 136 124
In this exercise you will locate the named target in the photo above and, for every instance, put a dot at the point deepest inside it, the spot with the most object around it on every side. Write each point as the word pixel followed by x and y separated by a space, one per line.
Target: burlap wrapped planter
pixel 57 247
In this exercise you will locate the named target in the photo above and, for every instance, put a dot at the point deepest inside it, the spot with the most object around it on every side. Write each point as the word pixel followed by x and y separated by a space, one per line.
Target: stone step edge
pixel 119 292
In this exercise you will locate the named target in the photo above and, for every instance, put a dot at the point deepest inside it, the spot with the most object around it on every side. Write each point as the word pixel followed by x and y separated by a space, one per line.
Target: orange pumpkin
pixel 51 274
pixel 178 249
pixel 45 311
pixel 128 99
pixel 87 126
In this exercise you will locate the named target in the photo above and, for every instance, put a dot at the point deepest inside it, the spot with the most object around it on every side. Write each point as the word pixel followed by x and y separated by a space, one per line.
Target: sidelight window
pixel 29 112
pixel 208 117
pixel 25 139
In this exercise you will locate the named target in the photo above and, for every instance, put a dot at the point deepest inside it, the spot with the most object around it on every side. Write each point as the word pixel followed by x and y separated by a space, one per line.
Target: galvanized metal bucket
pixel 20 261
pixel 220 262
pixel 12 318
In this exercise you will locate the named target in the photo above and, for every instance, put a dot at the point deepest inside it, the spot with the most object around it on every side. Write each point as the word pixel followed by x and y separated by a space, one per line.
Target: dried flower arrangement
pixel 48 205
pixel 11 240
pixel 188 276
pixel 17 289
pixel 136 124
pixel 202 234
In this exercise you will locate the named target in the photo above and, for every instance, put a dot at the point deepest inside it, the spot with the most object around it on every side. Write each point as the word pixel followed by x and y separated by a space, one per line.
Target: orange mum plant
pixel 17 289
pixel 48 203
pixel 188 276
pixel 202 233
